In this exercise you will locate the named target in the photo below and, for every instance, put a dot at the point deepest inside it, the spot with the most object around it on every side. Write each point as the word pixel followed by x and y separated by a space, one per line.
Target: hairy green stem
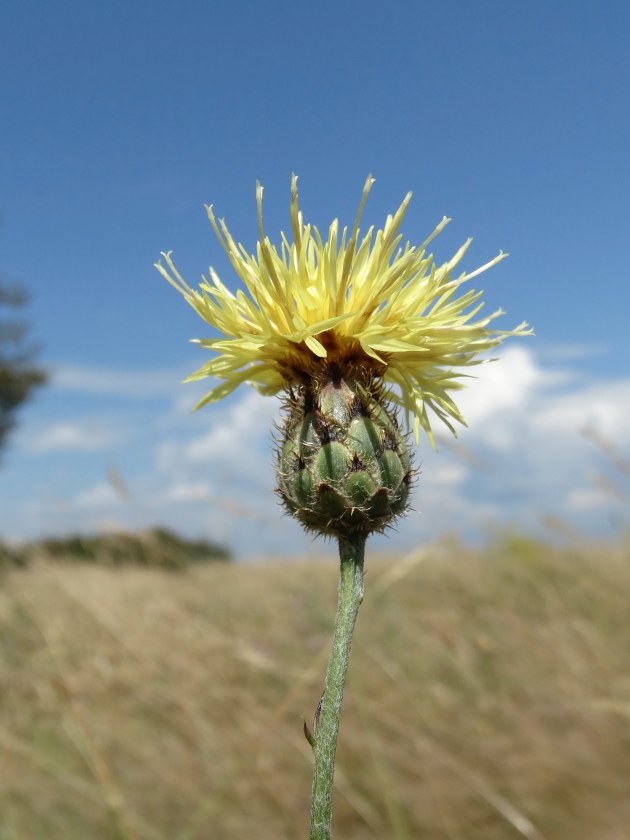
pixel 349 600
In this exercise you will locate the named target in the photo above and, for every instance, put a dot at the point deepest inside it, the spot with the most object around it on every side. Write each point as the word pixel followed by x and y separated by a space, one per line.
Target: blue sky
pixel 120 120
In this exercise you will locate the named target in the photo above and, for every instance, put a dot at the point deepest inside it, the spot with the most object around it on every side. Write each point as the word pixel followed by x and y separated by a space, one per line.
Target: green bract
pixel 344 467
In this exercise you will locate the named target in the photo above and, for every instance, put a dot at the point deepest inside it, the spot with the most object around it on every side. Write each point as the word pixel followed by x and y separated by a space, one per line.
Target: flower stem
pixel 350 596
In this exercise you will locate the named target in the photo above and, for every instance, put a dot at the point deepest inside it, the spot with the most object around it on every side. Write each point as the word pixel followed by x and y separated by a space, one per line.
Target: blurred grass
pixel 489 698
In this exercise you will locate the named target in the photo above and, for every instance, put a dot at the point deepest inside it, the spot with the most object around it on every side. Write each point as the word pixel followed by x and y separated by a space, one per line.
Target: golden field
pixel 488 698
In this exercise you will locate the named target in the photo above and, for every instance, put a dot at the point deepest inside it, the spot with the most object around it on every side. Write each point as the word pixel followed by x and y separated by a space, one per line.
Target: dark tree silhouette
pixel 19 375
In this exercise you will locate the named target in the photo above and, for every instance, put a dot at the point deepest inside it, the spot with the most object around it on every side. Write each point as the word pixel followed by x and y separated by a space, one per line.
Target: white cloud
pixel 193 491
pixel 604 407
pixel 448 473
pixel 68 436
pixel 236 433
pixel 133 384
pixel 500 385
pixel 586 499
pixel 97 497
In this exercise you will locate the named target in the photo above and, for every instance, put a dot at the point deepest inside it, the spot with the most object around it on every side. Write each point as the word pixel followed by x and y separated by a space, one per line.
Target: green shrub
pixel 158 548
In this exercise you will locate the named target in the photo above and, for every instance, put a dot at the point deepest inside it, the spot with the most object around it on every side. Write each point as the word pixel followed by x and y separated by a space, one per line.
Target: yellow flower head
pixel 363 303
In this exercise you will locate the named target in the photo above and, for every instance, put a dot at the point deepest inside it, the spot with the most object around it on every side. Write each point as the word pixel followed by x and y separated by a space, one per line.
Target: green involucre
pixel 344 468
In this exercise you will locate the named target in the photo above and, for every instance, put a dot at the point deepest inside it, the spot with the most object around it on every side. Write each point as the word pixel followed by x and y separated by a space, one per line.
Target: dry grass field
pixel 488 698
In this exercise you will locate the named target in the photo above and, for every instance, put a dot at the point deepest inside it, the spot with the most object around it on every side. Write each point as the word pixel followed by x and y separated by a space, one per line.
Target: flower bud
pixel 344 468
